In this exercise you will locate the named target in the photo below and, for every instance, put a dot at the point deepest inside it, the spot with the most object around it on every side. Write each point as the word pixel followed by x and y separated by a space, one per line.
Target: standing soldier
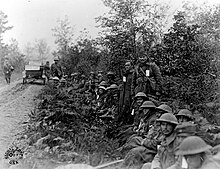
pixel 8 69
pixel 56 69
pixel 47 70
pixel 125 94
pixel 146 77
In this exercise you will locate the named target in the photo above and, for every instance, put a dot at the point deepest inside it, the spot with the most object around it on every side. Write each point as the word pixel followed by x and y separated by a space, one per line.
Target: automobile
pixel 34 72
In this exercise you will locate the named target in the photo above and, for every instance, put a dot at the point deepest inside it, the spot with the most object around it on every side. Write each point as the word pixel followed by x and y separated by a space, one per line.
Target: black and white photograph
pixel 109 84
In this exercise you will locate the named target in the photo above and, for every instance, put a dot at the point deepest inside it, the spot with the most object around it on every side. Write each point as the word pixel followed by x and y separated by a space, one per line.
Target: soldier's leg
pixel 6 78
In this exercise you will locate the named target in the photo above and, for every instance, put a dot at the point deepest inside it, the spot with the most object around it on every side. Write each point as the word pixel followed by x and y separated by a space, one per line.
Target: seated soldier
pixel 184 115
pixel 204 128
pixel 197 154
pixel 152 128
pixel 137 102
pixel 165 156
pixel 127 130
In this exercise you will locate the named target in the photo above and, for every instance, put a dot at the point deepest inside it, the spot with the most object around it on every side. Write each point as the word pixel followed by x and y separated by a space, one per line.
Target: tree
pixel 208 18
pixel 42 49
pixel 39 51
pixel 130 28
pixel 15 56
pixel 63 34
pixel 185 59
pixel 3 26
pixel 83 57
pixel 3 29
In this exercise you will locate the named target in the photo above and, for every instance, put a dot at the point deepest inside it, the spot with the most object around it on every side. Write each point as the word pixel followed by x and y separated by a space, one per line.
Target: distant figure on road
pixel 56 69
pixel 47 70
pixel 8 69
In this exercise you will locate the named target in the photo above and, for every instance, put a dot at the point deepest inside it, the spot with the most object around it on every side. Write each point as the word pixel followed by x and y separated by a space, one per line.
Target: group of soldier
pixel 152 135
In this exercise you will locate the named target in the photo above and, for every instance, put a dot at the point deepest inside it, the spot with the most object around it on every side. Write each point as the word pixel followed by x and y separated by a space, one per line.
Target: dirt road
pixel 16 101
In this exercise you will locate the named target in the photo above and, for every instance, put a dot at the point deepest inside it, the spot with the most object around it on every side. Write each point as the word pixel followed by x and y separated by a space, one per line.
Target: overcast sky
pixel 34 19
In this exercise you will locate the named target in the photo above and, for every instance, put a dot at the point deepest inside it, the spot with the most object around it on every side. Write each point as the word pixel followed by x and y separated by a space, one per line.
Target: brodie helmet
pixel 192 145
pixel 168 117
pixel 165 108
pixel 148 104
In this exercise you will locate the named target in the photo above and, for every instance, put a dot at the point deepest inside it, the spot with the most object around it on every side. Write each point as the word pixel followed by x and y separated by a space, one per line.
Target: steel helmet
pixel 165 108
pixel 63 80
pixel 185 112
pixel 103 83
pixel 74 74
pixel 102 87
pixel 186 129
pixel 148 104
pixel 140 94
pixel 110 73
pixel 168 117
pixel 113 86
pixel 56 78
pixel 192 145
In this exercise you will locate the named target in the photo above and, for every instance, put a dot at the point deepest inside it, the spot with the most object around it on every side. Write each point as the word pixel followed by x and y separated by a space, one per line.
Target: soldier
pixel 92 83
pixel 101 96
pixel 146 117
pixel 146 77
pixel 8 69
pixel 148 149
pixel 56 69
pixel 197 154
pixel 165 156
pixel 75 78
pixel 184 115
pixel 138 101
pixel 110 78
pixel 47 70
pixel 125 94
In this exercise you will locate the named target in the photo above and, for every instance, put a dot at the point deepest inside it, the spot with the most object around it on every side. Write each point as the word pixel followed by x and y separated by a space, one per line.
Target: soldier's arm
pixel 156 162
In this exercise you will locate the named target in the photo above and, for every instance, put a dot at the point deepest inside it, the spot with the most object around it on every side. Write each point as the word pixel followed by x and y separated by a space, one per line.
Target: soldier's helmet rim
pixel 165 108
pixel 193 145
pixel 148 104
pixel 185 113
pixel 169 118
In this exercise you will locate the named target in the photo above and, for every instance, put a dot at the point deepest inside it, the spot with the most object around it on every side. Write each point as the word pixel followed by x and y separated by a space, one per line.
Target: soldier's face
pixel 194 160
pixel 167 128
pixel 139 101
pixel 182 119
pixel 100 91
pixel 128 66
pixel 146 110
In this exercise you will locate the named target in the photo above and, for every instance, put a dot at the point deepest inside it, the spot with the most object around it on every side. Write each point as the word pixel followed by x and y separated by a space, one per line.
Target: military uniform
pixel 146 78
pixel 7 68
pixel 56 70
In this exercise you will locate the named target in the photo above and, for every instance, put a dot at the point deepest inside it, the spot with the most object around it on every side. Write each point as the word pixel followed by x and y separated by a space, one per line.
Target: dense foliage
pixel 185 58
pixel 65 127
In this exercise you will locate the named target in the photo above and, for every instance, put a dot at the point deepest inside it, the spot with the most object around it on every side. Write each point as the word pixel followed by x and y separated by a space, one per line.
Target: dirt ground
pixel 16 101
